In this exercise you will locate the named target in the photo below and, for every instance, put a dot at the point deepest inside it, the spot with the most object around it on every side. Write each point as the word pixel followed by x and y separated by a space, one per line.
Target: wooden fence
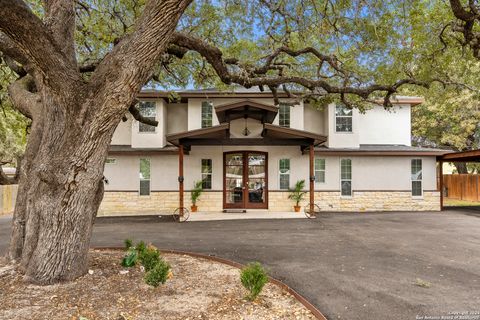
pixel 8 194
pixel 461 186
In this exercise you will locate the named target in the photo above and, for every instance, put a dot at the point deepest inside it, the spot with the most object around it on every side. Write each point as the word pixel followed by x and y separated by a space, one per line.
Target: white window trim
pixel 114 161
pixel 351 179
pixel 201 113
pixel 138 122
pixel 335 121
pixel 280 174
pixel 149 180
pixel 207 174
pixel 419 197
pixel 324 170
pixel 289 115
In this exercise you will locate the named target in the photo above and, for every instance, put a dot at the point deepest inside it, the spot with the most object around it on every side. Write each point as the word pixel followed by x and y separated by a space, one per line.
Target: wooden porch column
pixel 440 173
pixel 312 177
pixel 180 177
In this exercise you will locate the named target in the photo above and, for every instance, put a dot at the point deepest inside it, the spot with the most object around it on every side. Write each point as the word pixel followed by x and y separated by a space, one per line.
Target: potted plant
pixel 297 194
pixel 195 194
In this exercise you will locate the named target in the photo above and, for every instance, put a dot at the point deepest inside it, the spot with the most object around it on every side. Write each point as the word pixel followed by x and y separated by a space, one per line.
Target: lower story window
pixel 144 177
pixel 319 170
pixel 207 173
pixel 346 177
pixel 416 177
pixel 284 174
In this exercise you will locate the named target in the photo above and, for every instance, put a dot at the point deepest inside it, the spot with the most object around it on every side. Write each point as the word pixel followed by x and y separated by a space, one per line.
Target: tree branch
pixel 138 116
pixel 25 101
pixel 36 44
pixel 318 87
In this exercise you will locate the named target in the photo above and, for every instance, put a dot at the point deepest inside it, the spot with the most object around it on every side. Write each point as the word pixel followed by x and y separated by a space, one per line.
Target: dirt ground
pixel 199 289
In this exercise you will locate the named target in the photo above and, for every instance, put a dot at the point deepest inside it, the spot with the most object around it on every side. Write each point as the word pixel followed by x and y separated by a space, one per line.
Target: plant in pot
pixel 195 194
pixel 297 194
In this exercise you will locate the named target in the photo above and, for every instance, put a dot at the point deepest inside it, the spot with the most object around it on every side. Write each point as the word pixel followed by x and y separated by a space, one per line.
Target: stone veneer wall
pixel 130 203
pixel 8 196
pixel 163 202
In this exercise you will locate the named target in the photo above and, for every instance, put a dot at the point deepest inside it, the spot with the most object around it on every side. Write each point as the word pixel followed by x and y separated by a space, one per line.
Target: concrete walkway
pixel 249 215
pixel 351 266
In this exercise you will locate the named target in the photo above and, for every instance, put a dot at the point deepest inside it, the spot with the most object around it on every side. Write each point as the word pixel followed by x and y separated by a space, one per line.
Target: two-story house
pixel 249 152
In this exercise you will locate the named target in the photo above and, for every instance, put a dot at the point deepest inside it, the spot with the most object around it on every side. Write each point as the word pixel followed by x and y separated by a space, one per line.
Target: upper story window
pixel 284 115
pixel 207 114
pixel 416 177
pixel 147 110
pixel 343 119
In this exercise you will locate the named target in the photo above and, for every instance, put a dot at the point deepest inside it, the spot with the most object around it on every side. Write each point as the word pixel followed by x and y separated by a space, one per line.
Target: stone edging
pixel 234 264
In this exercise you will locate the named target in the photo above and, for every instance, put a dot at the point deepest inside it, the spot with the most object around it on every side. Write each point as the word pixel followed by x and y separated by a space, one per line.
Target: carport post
pixel 440 173
pixel 180 177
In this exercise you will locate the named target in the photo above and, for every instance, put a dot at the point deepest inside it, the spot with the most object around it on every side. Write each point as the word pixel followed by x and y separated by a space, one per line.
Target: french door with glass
pixel 245 181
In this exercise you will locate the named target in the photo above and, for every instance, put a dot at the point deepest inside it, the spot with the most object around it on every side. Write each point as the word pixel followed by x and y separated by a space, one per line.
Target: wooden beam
pixel 440 173
pixel 246 141
pixel 180 178
pixel 312 177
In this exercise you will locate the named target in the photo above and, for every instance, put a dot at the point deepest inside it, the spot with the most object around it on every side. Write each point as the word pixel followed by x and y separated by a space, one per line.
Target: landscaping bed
pixel 196 289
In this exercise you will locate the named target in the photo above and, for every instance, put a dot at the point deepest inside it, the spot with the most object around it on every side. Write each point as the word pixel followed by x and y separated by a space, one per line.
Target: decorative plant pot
pixel 297 208
pixel 194 208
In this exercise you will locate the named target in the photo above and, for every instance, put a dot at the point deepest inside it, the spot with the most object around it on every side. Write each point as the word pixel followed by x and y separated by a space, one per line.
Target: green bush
pixel 128 243
pixel 141 247
pixel 130 258
pixel 149 258
pixel 253 278
pixel 158 274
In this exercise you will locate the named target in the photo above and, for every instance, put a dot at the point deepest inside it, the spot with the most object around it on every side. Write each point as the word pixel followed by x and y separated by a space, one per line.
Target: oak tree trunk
pixel 73 120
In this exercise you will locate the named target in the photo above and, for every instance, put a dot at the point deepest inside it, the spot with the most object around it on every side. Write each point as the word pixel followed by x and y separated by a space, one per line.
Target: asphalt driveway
pixel 351 266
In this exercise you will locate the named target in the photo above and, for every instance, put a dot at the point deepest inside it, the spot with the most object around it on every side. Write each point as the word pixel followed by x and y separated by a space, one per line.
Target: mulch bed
pixel 198 289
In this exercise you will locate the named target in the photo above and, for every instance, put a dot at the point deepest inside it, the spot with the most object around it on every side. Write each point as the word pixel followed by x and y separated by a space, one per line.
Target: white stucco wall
pixel 177 117
pixel 380 126
pixel 369 173
pixel 123 132
pixel 343 139
pixel 152 139
pixel 315 120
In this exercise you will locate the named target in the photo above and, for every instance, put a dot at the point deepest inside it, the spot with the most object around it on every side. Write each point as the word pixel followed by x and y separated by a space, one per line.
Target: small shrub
pixel 128 243
pixel 130 259
pixel 253 278
pixel 159 274
pixel 141 247
pixel 149 258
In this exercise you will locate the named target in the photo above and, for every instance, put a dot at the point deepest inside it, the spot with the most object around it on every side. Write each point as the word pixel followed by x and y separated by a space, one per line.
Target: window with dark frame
pixel 149 111
pixel 319 170
pixel 284 115
pixel 284 174
pixel 144 177
pixel 343 119
pixel 207 173
pixel 416 177
pixel 207 114
pixel 346 177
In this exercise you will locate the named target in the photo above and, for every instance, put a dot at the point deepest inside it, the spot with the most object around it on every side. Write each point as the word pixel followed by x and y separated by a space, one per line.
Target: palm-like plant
pixel 297 193
pixel 196 192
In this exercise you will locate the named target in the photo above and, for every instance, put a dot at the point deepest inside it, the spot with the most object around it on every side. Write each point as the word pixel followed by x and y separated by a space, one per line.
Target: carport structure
pixel 462 156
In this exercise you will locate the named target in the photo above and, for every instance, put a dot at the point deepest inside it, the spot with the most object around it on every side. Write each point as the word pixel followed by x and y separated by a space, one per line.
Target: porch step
pixel 234 211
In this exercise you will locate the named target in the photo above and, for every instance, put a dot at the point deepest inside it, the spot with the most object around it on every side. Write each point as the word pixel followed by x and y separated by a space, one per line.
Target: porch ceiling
pixel 246 109
pixel 271 135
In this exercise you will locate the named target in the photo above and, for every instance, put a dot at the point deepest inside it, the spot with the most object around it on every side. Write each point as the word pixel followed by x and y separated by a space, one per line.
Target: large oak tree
pixel 80 64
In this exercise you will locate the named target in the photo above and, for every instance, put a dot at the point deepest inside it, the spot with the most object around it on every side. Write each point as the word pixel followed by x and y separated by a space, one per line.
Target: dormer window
pixel 147 110
pixel 284 115
pixel 207 114
pixel 343 119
